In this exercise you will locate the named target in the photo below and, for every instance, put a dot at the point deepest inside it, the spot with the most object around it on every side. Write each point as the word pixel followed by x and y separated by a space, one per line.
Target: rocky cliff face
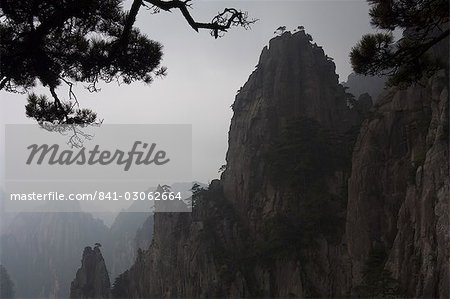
pixel 312 203
pixel 92 280
pixel 399 191
pixel 399 188
pixel 287 167
pixel 260 231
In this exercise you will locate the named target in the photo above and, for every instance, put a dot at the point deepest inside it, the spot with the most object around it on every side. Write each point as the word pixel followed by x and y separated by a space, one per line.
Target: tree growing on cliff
pixel 405 61
pixel 62 42
pixel 280 30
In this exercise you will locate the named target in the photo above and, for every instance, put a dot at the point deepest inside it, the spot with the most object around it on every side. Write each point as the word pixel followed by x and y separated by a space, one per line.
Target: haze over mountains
pixel 322 195
pixel 44 249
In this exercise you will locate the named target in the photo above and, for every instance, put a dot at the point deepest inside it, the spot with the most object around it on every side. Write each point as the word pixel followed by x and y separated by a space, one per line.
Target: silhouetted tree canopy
pixel 405 61
pixel 62 42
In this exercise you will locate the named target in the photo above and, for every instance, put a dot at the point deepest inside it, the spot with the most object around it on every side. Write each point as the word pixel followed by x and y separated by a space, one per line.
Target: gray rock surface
pixel 92 280
pixel 216 251
pixel 399 189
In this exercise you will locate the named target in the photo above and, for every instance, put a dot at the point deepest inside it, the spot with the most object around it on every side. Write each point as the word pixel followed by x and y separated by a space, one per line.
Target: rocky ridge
pixel 91 280
pixel 228 245
pixel 319 198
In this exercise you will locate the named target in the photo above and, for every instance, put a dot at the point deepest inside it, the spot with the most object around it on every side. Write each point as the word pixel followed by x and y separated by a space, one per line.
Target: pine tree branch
pixel 131 19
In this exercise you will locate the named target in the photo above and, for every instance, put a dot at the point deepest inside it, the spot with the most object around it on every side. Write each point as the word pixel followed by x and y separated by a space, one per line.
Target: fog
pixel 204 74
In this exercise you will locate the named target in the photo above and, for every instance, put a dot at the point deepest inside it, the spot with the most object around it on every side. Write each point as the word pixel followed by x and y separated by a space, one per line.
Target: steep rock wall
pixel 278 223
pixel 229 245
pixel 399 188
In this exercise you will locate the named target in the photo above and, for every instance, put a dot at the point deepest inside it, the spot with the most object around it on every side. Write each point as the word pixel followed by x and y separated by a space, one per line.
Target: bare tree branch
pixel 220 23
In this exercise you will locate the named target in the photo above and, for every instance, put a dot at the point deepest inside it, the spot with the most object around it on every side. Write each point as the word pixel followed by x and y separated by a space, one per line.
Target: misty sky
pixel 204 74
